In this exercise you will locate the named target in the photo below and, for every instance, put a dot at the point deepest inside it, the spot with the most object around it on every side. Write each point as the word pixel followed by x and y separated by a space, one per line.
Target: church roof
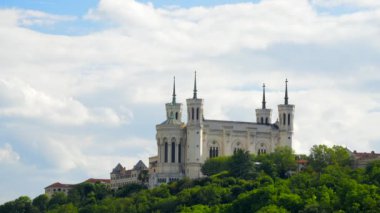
pixel 274 126
pixel 171 121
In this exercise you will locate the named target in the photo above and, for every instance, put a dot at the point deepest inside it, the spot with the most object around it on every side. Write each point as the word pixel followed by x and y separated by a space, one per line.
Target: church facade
pixel 184 147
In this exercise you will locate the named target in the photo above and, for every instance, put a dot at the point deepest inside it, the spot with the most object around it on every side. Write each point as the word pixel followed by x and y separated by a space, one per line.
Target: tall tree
pixel 242 165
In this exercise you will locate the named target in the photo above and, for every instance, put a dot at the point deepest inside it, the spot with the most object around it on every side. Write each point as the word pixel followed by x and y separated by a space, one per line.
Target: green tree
pixel 272 209
pixel 320 156
pixel 41 202
pixel 22 204
pixel 290 201
pixel 284 159
pixel 129 189
pixel 372 170
pixel 254 200
pixel 215 165
pixel 341 156
pixel 68 208
pixel 241 165
pixel 57 199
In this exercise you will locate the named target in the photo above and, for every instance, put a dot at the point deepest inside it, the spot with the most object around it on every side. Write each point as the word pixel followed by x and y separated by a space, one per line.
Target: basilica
pixel 184 147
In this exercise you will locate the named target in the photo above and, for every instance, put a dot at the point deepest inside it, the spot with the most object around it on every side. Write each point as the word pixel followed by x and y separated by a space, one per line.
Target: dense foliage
pixel 240 183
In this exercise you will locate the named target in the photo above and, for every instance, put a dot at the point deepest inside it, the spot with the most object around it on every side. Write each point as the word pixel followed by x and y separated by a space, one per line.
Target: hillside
pixel 240 183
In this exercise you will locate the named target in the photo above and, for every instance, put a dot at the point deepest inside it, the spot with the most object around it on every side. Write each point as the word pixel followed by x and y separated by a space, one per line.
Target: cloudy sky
pixel 83 83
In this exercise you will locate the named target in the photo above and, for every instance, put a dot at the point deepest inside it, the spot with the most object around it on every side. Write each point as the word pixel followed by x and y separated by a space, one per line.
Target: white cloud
pixel 353 3
pixel 21 100
pixel 34 17
pixel 7 155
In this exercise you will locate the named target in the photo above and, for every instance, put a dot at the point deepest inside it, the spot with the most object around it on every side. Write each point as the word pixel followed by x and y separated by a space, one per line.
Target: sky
pixel 83 83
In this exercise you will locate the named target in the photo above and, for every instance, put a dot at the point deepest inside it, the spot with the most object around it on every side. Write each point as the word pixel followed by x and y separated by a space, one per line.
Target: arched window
pixel 266 120
pixel 179 153
pixel 176 115
pixel 214 152
pixel 173 150
pixel 289 119
pixel 284 119
pixel 197 113
pixel 262 149
pixel 192 113
pixel 262 120
pixel 166 152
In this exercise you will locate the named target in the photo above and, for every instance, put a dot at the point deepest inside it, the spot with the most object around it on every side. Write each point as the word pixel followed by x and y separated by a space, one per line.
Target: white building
pixel 121 177
pixel 183 147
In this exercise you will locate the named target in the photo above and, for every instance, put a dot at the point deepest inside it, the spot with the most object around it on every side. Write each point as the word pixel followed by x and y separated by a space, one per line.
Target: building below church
pixel 121 177
pixel 184 147
pixel 362 159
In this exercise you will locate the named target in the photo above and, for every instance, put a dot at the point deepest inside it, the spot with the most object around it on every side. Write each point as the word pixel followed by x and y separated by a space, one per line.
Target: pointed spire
pixel 195 86
pixel 286 92
pixel 174 95
pixel 264 102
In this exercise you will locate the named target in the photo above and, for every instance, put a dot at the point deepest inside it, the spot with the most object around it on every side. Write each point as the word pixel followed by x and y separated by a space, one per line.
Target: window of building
pixel 173 151
pixel 166 152
pixel 266 120
pixel 283 119
pixel 176 115
pixel 197 113
pixel 289 119
pixel 192 113
pixel 179 153
pixel 214 152
pixel 262 120
pixel 261 151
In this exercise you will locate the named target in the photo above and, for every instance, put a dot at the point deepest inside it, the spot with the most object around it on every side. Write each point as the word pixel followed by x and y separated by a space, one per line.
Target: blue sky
pixel 83 83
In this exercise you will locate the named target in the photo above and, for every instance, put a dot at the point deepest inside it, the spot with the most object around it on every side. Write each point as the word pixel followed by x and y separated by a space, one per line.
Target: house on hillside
pixel 65 188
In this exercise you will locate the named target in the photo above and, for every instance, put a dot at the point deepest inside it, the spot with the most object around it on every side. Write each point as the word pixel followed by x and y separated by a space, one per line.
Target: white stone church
pixel 184 147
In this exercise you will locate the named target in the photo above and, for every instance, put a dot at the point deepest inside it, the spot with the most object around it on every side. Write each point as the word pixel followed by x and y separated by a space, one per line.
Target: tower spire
pixel 286 92
pixel 264 102
pixel 195 86
pixel 174 95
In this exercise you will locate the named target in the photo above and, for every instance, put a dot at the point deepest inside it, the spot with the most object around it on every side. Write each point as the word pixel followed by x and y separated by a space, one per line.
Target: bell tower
pixel 174 109
pixel 263 115
pixel 194 134
pixel 286 120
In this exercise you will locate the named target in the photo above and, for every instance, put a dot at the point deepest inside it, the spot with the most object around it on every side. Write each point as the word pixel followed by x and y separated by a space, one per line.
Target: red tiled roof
pixel 94 180
pixel 302 161
pixel 59 185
